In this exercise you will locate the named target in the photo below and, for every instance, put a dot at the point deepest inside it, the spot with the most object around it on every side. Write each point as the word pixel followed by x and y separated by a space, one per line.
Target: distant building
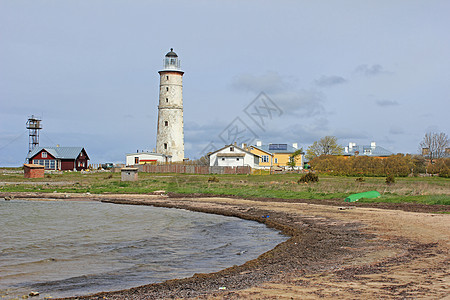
pixel 142 158
pixel 233 156
pixel 366 150
pixel 272 155
pixel 59 158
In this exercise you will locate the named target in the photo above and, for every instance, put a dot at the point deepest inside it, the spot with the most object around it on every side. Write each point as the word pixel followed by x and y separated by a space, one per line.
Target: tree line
pixel 325 157
pixel 397 165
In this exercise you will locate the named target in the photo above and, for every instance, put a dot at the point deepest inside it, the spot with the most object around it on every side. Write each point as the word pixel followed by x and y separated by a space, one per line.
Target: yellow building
pixel 276 155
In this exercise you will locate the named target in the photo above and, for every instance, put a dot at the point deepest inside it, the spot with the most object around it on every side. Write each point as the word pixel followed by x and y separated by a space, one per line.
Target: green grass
pixel 422 199
pixel 427 190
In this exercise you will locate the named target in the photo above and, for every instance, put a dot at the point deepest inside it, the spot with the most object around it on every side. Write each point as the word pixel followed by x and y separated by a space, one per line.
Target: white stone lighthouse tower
pixel 170 135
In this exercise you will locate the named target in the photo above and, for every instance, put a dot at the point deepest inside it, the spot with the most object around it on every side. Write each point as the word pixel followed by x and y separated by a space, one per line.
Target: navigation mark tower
pixel 33 125
pixel 170 134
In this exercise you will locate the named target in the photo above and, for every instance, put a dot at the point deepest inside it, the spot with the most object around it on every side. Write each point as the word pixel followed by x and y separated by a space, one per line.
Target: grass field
pixel 426 190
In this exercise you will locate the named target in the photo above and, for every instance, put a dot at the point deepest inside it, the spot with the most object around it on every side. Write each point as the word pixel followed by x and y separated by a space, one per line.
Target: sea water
pixel 70 248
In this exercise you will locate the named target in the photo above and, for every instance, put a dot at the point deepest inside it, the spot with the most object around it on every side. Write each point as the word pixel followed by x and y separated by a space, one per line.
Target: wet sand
pixel 351 251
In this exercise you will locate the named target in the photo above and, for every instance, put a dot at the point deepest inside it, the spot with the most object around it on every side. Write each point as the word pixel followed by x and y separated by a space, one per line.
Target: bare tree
pixel 326 145
pixel 202 161
pixel 434 145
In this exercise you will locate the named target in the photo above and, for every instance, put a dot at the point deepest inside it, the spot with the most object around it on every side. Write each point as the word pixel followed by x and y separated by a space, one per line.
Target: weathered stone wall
pixel 170 133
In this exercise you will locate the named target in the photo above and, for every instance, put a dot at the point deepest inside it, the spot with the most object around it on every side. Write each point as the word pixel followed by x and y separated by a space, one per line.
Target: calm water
pixel 73 248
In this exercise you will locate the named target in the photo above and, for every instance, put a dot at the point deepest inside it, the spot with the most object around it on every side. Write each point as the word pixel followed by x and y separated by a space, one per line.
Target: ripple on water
pixel 72 248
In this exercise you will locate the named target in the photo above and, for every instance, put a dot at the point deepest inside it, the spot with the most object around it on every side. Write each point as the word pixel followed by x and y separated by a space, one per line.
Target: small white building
pixel 141 158
pixel 233 156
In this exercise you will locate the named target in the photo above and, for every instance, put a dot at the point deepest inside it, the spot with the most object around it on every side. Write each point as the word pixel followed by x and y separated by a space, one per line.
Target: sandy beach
pixel 337 250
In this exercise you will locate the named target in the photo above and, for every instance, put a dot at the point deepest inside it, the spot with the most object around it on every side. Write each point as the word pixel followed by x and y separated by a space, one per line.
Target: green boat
pixel 356 197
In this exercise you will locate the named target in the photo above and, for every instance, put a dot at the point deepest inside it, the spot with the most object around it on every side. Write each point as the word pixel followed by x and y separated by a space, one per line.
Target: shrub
pixel 390 179
pixel 360 179
pixel 309 177
pixel 213 179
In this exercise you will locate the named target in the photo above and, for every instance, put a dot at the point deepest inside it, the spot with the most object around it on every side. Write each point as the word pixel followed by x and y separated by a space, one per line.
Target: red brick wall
pixel 33 172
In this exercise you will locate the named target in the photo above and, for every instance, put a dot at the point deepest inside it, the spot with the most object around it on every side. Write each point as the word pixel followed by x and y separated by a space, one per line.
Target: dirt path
pixel 334 252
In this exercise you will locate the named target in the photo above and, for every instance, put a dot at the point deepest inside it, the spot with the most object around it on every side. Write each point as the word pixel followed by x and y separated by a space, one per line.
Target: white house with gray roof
pixel 233 156
pixel 366 150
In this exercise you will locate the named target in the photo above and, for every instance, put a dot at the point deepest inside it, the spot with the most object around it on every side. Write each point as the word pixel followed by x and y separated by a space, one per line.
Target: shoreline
pixel 332 251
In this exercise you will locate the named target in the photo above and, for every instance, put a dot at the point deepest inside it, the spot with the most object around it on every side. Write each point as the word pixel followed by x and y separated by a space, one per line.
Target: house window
pixel 136 160
pixel 265 158
pixel 367 151
pixel 276 160
pixel 49 164
pixel 166 123
pixel 44 154
pixel 165 146
pixel 231 149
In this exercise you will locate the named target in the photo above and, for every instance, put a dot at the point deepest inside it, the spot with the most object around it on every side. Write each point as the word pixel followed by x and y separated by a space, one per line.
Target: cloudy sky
pixel 277 71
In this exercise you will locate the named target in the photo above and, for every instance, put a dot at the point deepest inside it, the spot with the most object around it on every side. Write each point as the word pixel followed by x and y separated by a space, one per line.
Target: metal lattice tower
pixel 33 126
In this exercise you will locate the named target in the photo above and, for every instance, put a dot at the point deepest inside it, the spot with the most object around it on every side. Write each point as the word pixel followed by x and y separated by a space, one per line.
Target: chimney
pixel 258 143
pixel 295 145
pixel 346 149
pixel 373 145
pixel 350 146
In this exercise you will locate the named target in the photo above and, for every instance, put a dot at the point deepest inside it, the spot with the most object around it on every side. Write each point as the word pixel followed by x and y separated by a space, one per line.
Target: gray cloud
pixel 396 130
pixel 269 82
pixel 326 81
pixel 386 103
pixel 302 103
pixel 372 70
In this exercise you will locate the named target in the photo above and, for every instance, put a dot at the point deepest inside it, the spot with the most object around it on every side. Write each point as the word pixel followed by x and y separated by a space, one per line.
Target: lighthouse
pixel 170 133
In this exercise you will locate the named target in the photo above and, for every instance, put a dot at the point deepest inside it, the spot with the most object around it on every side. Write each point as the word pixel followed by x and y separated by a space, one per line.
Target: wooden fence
pixel 193 169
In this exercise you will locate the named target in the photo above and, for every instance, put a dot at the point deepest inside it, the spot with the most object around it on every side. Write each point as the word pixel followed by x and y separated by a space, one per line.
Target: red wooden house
pixel 59 158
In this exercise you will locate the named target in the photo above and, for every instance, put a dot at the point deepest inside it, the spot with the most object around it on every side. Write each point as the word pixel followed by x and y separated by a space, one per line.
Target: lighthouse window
pixel 167 89
pixel 165 146
pixel 167 77
pixel 166 123
pixel 167 100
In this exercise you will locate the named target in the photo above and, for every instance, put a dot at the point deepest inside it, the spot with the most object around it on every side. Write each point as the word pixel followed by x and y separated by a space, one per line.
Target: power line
pixel 13 140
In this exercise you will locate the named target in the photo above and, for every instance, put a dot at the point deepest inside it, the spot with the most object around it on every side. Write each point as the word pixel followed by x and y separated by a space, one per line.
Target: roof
pixel 231 145
pixel 368 150
pixel 33 166
pixel 230 154
pixel 276 148
pixel 171 53
pixel 148 153
pixel 58 152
